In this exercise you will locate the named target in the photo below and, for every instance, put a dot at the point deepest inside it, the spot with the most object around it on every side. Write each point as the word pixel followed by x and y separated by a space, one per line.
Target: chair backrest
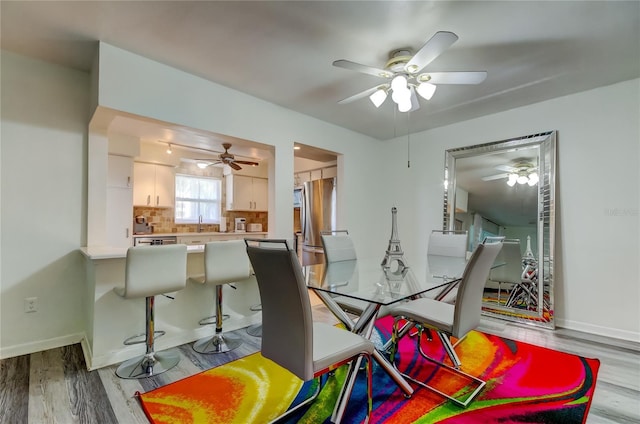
pixel 447 243
pixel 226 262
pixel 338 246
pixel 287 322
pixel 509 261
pixel 468 305
pixel 152 270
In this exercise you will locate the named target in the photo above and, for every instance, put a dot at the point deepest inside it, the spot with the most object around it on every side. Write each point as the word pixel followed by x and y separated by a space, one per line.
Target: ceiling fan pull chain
pixel 408 142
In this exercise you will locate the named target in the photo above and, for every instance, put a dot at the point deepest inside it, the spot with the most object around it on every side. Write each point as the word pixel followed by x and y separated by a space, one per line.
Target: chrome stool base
pixel 216 344
pixel 148 365
pixel 255 330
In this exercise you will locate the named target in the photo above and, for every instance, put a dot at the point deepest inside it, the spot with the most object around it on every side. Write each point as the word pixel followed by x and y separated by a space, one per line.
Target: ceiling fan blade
pixel 207 162
pixel 234 166
pixel 463 77
pixel 352 66
pixel 506 168
pixel 440 41
pixel 495 177
pixel 361 95
pixel 246 162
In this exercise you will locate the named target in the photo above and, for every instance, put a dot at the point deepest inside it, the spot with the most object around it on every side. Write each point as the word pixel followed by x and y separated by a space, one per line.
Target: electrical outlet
pixel 30 304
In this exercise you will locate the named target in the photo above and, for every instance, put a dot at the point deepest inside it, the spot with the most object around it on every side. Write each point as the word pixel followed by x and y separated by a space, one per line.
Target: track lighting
pixel 169 151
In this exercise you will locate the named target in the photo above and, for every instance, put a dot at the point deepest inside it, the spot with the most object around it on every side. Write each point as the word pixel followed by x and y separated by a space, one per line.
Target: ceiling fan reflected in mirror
pixel 520 173
pixel 406 79
pixel 225 158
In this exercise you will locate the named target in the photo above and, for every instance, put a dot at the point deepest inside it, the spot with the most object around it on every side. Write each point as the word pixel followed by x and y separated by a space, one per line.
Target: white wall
pixel 134 84
pixel 598 185
pixel 43 184
pixel 44 180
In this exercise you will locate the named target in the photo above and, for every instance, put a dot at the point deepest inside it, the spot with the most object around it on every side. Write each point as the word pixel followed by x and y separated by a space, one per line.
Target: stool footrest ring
pixel 212 319
pixel 131 340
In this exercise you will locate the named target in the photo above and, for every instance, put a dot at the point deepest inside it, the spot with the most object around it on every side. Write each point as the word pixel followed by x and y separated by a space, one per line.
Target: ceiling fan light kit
pixel 522 178
pixel 404 72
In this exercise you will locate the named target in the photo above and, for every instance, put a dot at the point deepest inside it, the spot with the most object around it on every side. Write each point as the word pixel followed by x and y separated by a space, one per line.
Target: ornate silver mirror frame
pixel 494 162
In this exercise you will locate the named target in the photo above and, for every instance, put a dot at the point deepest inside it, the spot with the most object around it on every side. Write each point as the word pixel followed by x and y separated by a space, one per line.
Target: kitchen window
pixel 198 199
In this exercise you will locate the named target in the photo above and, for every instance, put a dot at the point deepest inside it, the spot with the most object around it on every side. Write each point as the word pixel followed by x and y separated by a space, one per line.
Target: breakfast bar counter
pixel 110 319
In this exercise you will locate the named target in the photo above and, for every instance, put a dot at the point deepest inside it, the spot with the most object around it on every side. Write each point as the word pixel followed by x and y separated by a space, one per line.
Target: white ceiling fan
pixel 520 172
pixel 225 158
pixel 404 72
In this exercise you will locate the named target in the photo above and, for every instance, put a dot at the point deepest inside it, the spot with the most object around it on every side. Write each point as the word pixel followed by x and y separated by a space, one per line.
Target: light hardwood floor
pixel 54 386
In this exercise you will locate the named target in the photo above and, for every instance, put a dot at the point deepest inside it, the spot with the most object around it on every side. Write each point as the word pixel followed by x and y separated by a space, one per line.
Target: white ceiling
pixel 283 51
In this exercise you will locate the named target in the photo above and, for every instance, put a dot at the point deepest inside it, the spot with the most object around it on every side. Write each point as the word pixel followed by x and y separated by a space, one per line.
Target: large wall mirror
pixel 507 189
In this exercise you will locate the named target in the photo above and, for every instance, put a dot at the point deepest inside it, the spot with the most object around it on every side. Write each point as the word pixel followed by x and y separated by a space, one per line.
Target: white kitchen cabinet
pixel 330 172
pixel 119 216
pixel 247 193
pixel 194 240
pixel 462 199
pixel 191 240
pixel 153 185
pixel 119 210
pixel 119 171
pixel 302 177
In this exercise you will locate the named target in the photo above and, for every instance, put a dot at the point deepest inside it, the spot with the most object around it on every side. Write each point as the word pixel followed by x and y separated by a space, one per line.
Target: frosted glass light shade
pixel 378 97
pixel 426 90
pixel 399 82
pixel 404 105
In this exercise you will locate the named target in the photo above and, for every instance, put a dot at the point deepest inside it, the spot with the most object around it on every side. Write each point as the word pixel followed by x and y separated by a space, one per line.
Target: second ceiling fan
pixel 404 71
pixel 225 158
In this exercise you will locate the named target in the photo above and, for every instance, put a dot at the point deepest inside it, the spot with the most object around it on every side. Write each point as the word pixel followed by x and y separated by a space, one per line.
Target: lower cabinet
pixel 193 240
pixel 206 238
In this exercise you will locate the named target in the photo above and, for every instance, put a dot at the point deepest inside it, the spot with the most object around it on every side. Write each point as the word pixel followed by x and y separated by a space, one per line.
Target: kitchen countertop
pixel 209 233
pixel 106 252
pixel 109 252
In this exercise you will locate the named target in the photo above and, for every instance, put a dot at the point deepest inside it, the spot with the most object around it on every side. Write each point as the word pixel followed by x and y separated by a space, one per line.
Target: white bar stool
pixel 225 262
pixel 152 270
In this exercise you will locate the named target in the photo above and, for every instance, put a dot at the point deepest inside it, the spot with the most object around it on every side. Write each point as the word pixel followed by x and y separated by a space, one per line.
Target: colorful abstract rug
pixel 525 384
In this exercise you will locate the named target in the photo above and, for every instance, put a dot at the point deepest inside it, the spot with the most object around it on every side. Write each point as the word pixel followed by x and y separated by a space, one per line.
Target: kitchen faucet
pixel 200 223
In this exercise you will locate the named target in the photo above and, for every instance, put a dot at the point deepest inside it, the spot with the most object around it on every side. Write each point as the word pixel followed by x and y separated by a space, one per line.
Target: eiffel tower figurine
pixel 394 252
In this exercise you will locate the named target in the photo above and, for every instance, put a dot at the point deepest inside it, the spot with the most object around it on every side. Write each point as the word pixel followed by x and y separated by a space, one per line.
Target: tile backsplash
pixel 162 220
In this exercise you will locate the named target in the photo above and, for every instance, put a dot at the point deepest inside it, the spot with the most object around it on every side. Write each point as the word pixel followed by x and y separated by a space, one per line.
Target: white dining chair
pixel 290 338
pixel 449 320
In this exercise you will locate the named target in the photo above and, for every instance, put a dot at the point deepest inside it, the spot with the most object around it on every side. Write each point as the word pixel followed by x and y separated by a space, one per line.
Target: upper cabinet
pixel 246 193
pixel 119 220
pixel 119 171
pixel 154 185
pixel 315 174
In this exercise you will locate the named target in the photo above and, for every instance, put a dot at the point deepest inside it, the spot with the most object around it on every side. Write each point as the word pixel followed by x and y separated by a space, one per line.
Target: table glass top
pixel 367 280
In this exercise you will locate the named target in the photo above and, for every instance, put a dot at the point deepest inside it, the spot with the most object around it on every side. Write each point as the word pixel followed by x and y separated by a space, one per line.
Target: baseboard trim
pixel 40 345
pixel 615 333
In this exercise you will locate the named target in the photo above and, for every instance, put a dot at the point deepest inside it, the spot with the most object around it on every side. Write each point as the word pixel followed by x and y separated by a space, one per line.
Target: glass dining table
pixel 373 286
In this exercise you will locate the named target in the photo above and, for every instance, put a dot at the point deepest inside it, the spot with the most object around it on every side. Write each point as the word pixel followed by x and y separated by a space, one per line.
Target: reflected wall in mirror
pixel 507 189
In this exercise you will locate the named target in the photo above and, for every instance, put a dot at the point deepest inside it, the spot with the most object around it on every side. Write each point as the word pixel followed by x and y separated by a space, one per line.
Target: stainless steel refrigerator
pixel 317 212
